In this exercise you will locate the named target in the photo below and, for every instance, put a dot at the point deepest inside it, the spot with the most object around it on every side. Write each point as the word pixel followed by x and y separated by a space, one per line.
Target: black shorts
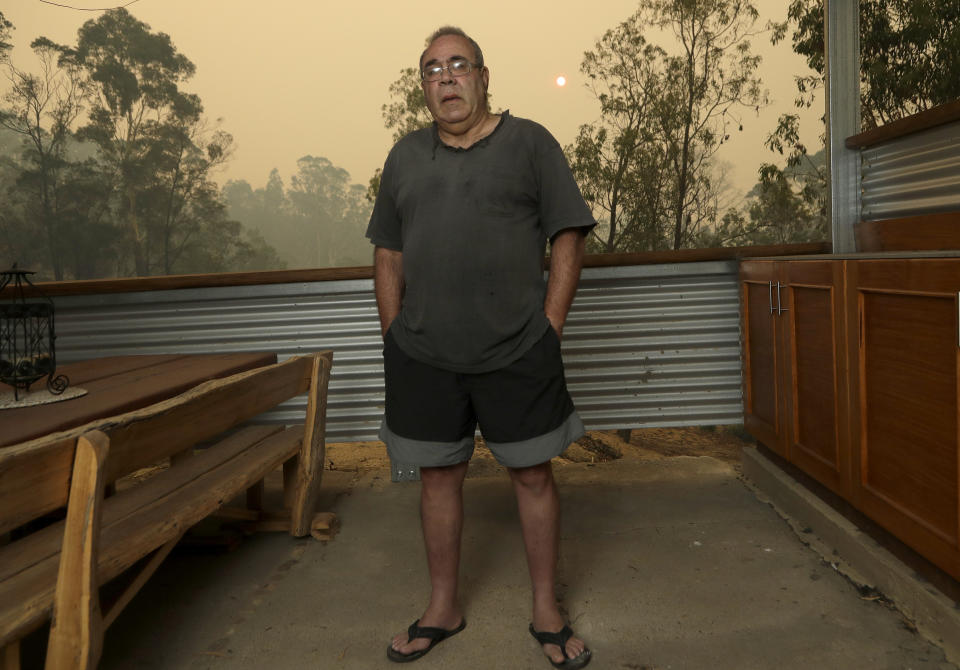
pixel 524 411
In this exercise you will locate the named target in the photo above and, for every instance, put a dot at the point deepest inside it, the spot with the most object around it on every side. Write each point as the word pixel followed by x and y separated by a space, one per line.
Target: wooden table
pixel 120 384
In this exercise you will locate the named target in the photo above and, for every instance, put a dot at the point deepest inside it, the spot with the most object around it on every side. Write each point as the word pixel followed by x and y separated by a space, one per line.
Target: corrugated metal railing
pixel 911 175
pixel 646 345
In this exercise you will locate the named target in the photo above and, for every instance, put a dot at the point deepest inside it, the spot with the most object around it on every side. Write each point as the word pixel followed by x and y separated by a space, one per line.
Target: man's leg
pixel 441 513
pixel 539 509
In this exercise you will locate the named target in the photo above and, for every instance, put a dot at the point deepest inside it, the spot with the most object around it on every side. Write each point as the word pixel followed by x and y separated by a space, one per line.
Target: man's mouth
pixel 448 98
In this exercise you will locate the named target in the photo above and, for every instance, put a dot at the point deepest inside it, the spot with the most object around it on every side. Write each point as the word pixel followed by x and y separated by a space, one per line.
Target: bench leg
pixel 76 628
pixel 10 656
pixel 313 449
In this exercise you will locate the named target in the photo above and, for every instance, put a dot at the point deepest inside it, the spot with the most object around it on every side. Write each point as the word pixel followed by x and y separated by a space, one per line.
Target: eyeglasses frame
pixel 473 66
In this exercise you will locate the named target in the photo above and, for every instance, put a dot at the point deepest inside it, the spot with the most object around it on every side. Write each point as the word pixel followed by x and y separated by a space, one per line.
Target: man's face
pixel 454 99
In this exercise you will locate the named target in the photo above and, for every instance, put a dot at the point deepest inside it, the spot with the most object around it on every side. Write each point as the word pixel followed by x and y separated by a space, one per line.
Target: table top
pixel 119 384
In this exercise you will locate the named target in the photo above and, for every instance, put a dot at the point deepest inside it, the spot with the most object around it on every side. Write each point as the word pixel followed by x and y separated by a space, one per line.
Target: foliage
pixel 909 54
pixel 619 162
pixel 6 29
pixel 319 221
pixel 786 206
pixel 910 62
pixel 646 165
pixel 136 103
pixel 106 164
pixel 42 109
pixel 407 110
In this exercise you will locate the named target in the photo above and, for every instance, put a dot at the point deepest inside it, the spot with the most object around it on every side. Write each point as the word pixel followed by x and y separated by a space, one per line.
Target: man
pixel 471 334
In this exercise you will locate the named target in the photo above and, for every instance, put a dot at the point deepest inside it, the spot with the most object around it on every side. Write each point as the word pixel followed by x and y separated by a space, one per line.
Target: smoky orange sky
pixel 289 78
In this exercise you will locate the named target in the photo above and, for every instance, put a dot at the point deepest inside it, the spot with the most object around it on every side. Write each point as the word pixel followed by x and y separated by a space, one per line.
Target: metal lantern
pixel 27 337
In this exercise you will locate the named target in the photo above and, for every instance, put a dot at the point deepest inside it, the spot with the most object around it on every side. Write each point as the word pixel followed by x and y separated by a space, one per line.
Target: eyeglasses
pixel 456 68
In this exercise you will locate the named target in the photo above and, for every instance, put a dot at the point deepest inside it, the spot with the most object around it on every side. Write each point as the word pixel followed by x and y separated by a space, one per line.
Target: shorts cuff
pixel 407 452
pixel 540 449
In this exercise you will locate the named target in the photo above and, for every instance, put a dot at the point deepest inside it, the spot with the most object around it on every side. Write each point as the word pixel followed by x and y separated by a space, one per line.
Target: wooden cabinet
pixel 763 341
pixel 904 374
pixel 851 372
pixel 794 353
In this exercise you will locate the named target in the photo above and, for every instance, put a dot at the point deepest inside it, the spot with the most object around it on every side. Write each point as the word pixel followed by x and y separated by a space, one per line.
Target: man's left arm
pixel 566 259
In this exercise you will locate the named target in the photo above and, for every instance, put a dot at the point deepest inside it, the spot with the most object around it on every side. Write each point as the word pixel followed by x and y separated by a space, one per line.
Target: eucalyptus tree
pixel 6 31
pixel 665 110
pixel 909 62
pixel 713 73
pixel 333 211
pixel 42 109
pixel 620 162
pixel 134 95
pixel 405 112
pixel 180 198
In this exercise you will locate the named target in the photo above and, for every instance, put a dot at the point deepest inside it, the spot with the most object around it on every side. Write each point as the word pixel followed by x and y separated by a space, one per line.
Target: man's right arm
pixel 388 284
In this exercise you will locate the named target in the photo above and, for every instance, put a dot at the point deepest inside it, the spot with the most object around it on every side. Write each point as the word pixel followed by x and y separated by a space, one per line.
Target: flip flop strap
pixel 559 639
pixel 426 632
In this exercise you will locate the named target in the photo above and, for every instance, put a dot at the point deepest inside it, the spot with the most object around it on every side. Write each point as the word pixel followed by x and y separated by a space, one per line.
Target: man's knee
pixel 535 478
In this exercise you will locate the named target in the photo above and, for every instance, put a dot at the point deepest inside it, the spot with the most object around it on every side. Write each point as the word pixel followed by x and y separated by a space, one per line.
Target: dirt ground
pixel 721 442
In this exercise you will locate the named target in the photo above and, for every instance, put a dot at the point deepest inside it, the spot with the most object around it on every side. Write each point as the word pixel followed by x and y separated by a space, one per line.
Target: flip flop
pixel 435 635
pixel 560 639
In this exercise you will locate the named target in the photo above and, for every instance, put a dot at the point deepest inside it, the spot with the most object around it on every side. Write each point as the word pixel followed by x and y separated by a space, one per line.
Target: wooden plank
pixel 929 232
pixel 310 463
pixel 146 436
pixel 703 255
pixel 124 386
pixel 45 543
pixel 929 118
pixel 142 437
pixel 176 282
pixel 274 277
pixel 76 629
pixel 177 503
pixel 85 372
pixel 135 535
pixel 34 482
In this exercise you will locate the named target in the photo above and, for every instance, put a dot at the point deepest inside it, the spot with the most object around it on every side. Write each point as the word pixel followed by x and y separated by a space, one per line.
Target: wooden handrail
pixel 128 285
pixel 930 118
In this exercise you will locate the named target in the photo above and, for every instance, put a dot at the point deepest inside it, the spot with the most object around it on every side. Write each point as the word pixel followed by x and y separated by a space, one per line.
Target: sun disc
pixel 561 81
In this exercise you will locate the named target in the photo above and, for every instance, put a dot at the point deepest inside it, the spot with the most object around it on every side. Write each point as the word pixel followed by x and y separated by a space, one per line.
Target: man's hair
pixel 452 30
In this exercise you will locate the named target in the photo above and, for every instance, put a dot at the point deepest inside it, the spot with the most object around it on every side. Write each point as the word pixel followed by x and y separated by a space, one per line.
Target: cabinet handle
pixel 780 308
pixel 770 295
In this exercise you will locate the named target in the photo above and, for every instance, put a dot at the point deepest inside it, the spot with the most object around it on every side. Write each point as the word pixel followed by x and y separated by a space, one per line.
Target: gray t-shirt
pixel 472 225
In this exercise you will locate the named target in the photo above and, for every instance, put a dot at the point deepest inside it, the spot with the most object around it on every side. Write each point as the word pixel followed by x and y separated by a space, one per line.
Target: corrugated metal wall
pixel 649 345
pixel 915 174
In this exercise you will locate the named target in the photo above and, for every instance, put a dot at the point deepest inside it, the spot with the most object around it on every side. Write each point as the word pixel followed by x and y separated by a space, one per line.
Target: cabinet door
pixel 762 396
pixel 815 379
pixel 904 373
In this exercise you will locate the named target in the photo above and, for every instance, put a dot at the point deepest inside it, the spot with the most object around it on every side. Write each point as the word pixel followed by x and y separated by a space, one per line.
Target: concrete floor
pixel 671 563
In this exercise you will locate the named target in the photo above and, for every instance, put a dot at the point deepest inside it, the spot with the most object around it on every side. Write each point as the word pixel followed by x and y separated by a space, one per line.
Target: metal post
pixel 842 86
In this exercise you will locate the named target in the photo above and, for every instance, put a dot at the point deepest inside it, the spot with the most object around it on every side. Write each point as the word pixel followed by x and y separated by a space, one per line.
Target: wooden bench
pixel 56 572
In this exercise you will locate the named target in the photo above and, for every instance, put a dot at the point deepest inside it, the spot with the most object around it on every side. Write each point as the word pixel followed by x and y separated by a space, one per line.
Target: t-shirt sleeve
pixel 384 229
pixel 561 204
